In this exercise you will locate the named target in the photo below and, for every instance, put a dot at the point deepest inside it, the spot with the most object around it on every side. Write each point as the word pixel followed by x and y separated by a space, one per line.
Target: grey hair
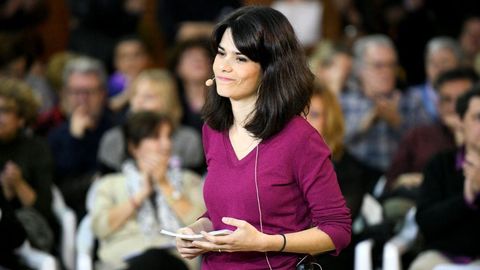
pixel 85 64
pixel 444 42
pixel 361 45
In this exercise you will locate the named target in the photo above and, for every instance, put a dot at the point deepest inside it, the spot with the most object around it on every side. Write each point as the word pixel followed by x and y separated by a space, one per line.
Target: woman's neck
pixel 242 112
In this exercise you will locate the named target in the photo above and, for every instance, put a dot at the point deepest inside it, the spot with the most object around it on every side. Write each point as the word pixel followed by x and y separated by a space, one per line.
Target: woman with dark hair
pixel 191 62
pixel 270 179
pixel 130 207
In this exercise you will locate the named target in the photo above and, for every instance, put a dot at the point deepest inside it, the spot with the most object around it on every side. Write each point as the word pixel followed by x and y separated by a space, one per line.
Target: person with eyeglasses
pixel 421 143
pixel 74 143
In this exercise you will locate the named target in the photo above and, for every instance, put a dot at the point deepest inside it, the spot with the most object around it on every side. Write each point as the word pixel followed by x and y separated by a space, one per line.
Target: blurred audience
pixel 154 90
pixel 19 15
pixel 131 207
pixel 52 118
pixel 183 19
pixel 421 143
pixel 191 62
pixel 97 25
pixel 448 203
pixel 305 17
pixel 19 59
pixel 332 65
pixel 372 113
pixel 130 58
pixel 354 177
pixel 470 40
pixel 441 54
pixel 75 142
pixel 25 163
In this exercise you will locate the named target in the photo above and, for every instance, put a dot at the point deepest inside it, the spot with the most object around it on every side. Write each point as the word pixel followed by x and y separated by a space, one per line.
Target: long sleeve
pixel 107 195
pixel 318 182
pixel 42 178
pixel 443 216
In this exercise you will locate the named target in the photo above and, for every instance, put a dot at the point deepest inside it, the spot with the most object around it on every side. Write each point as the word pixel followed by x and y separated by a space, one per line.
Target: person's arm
pixel 122 212
pixel 331 223
pixel 109 214
pixel 12 175
pixel 311 241
pixel 432 205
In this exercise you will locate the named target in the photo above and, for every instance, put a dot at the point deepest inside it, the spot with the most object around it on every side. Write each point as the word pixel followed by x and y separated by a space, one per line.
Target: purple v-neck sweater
pixel 297 185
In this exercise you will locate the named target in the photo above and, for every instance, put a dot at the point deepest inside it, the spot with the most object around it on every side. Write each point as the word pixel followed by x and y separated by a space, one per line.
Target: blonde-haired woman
pixel 154 90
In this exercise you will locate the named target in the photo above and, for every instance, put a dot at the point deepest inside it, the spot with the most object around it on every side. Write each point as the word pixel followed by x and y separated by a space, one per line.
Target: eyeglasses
pixel 83 91
pixel 381 65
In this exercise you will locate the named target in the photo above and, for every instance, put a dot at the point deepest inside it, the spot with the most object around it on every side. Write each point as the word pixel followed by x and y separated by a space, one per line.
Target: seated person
pixel 154 90
pixel 448 204
pixel 74 143
pixel 191 62
pixel 25 161
pixel 130 58
pixel 131 207
pixel 421 143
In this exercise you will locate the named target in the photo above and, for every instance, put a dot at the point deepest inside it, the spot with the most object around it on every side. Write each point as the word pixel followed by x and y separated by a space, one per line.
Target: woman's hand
pixel 244 238
pixel 186 248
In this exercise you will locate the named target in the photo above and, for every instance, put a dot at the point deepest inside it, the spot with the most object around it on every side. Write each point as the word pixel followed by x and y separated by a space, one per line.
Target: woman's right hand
pixel 185 247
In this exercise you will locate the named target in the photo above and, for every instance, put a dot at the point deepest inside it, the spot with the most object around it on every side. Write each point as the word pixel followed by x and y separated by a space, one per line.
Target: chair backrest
pixel 85 244
pixel 68 222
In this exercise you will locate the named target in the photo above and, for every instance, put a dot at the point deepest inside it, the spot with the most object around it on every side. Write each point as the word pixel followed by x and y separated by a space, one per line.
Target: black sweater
pixel 446 221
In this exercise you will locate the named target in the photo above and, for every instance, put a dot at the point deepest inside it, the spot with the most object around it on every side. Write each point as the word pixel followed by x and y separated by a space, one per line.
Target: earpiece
pixel 209 82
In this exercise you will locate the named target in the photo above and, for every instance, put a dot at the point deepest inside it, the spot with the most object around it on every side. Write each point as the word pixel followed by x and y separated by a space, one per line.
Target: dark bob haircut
pixel 143 125
pixel 464 100
pixel 266 37
pixel 455 75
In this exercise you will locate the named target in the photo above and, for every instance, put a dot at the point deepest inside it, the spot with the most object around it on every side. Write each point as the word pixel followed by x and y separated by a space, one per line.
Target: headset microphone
pixel 209 82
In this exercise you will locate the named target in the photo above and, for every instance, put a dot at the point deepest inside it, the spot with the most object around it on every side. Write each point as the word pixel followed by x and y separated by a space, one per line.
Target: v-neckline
pixel 231 150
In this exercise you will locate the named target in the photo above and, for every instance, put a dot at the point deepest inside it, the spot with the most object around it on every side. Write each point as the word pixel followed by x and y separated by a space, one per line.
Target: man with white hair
pixel 75 143
pixel 372 113
pixel 441 54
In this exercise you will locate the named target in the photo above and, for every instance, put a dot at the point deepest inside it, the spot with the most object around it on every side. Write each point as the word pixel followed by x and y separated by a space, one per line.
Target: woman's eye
pixel 242 59
pixel 220 53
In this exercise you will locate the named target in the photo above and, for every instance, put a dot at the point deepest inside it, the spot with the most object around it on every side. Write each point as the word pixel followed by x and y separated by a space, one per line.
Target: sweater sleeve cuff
pixel 340 239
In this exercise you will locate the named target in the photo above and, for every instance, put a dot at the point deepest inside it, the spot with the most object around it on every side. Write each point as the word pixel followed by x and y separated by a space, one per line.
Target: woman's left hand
pixel 244 238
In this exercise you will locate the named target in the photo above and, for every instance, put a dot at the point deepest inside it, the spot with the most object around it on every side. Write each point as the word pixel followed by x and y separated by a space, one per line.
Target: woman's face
pixel 131 58
pixel 237 77
pixel 147 97
pixel 156 148
pixel 316 115
pixel 194 65
pixel 10 122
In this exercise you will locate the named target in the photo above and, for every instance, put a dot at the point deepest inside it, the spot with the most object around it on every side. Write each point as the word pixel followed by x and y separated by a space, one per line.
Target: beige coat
pixel 129 240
